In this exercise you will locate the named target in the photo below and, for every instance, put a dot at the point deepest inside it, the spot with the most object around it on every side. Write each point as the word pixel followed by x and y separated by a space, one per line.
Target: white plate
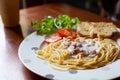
pixel 42 68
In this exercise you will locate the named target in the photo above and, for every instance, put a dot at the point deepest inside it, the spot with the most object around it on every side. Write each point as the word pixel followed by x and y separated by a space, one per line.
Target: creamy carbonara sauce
pixel 89 47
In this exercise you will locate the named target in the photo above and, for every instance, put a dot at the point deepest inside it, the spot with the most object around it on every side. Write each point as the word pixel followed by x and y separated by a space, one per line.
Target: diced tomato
pixel 63 32
pixel 74 35
pixel 53 38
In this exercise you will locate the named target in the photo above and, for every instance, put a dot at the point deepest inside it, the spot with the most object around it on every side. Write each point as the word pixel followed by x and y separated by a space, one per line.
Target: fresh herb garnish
pixel 50 25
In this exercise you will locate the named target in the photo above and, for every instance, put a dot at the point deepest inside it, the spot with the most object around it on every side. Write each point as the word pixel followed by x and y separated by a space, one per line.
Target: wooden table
pixel 11 67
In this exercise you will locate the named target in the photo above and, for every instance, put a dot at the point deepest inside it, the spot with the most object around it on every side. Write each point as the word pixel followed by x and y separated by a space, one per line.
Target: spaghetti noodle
pixel 80 53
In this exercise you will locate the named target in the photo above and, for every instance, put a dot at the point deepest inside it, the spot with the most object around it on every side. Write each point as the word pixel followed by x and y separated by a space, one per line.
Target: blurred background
pixel 90 5
pixel 105 8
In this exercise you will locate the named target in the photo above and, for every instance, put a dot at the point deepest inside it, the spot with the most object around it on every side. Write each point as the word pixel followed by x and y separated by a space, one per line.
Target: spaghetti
pixel 80 53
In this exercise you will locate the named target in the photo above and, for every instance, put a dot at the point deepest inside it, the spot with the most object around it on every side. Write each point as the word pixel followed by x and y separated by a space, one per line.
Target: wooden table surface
pixel 11 67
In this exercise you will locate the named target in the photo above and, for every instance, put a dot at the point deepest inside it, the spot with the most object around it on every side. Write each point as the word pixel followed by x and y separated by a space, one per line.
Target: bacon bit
pixel 88 47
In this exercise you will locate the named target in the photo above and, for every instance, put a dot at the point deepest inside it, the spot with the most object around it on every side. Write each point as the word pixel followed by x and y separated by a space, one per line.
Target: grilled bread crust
pixel 96 29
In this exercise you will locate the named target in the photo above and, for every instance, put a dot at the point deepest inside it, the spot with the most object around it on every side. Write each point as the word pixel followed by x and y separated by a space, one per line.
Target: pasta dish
pixel 80 53
pixel 77 45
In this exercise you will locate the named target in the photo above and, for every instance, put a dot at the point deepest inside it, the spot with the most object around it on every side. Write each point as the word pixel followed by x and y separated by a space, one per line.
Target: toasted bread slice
pixel 103 30
pixel 96 29
pixel 84 29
